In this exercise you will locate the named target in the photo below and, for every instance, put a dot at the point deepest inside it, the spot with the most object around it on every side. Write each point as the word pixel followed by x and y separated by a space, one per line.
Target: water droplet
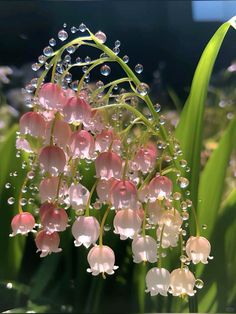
pixel 71 49
pixel 48 51
pixel 138 68
pixel 204 227
pixel 142 89
pixel 15 174
pixel 62 35
pixel 23 201
pixel 36 66
pixel 82 27
pixel 11 200
pixel 105 70
pixel 126 59
pixel 78 60
pixel 52 42
pixel 42 59
pixel 30 175
pixel 183 163
pixel 199 283
pixel 162 120
pixel 117 43
pixel 107 227
pixel 87 59
pixel 185 215
pixel 8 185
pixel 183 258
pixel 74 29
pixel 176 196
pixel 101 37
pixel 157 107
pixel 9 285
pixel 18 154
pixel 183 182
pixel 116 50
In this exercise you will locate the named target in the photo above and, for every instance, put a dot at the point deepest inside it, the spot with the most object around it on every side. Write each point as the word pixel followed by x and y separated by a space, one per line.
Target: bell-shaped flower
pixel 169 236
pixel 61 133
pixel 81 145
pixel 127 223
pixel 171 219
pixel 32 123
pixel 159 188
pixel 101 259
pixel 76 110
pixel 155 212
pixel 123 194
pixel 108 165
pixel 54 219
pixel 47 243
pixel 78 196
pixel 144 248
pixel 22 223
pixel 198 249
pixel 52 159
pixel 44 208
pixel 95 124
pixel 143 194
pixel 145 159
pixel 158 281
pixel 23 144
pixel 182 282
pixel 104 140
pixel 51 96
pixel 85 230
pixel 103 189
pixel 48 189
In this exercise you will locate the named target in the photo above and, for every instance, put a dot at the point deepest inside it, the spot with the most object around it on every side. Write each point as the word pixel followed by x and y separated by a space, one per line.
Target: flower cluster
pixel 138 177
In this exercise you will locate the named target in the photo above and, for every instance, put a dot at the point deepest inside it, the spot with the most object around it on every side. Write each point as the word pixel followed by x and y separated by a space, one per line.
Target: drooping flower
pixel 145 158
pixel 123 194
pixel 52 159
pixel 158 281
pixel 32 123
pixel 103 189
pixel 76 110
pixel 22 223
pixel 144 248
pixel 47 243
pixel 108 165
pixel 198 249
pixel 104 140
pixel 182 282
pixel 159 188
pixel 78 196
pixel 61 133
pixel 81 145
pixel 48 189
pixel 23 144
pixel 51 96
pixel 54 219
pixel 101 259
pixel 127 223
pixel 155 212
pixel 85 230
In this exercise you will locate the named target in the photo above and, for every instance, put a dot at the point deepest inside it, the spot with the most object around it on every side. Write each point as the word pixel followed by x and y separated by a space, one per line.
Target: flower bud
pixel 158 281
pixel 51 96
pixel 82 145
pixel 108 165
pixel 160 187
pixel 52 159
pixel 78 196
pixel 47 243
pixel 123 194
pixel 54 219
pixel 85 230
pixel 144 248
pixel 127 223
pixel 76 110
pixel 182 282
pixel 22 223
pixel 101 259
pixel 32 123
pixel 198 249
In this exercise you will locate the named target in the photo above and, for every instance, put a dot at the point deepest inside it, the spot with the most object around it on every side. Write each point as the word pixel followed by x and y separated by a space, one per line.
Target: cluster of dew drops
pixel 158 279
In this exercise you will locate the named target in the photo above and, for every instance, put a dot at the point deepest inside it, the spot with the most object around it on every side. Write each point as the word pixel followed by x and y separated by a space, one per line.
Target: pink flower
pixel 145 159
pixel 32 123
pixel 76 110
pixel 82 145
pixel 54 219
pixel 103 140
pixel 124 194
pixel 61 133
pixel 47 243
pixel 144 248
pixel 95 123
pixel 52 159
pixel 22 223
pixel 103 189
pixel 127 223
pixel 160 187
pixel 78 196
pixel 108 165
pixel 48 189
pixel 85 231
pixel 23 144
pixel 101 260
pixel 198 249
pixel 45 208
pixel 51 96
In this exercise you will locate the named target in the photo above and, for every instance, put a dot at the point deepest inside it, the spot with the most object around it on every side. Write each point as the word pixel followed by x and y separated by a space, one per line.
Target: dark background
pixel 159 34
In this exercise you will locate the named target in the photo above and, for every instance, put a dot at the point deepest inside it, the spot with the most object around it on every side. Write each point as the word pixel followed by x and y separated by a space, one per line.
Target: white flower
pixel 169 237
pixel 127 223
pixel 182 282
pixel 85 231
pixel 158 281
pixel 155 212
pixel 198 249
pixel 144 248
pixel 78 196
pixel 101 260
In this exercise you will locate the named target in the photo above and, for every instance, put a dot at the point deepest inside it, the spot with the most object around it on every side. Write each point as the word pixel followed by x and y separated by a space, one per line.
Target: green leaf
pixel 190 128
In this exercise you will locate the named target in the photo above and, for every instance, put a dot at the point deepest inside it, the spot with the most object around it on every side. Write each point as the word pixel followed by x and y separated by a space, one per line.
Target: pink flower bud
pixel 54 219
pixel 101 260
pixel 127 223
pixel 76 110
pixel 158 281
pixel 51 96
pixel 123 194
pixel 61 133
pixel 78 196
pixel 182 282
pixel 23 144
pixel 82 145
pixel 22 223
pixel 160 187
pixel 144 248
pixel 47 243
pixel 48 189
pixel 198 249
pixel 32 123
pixel 145 159
pixel 52 159
pixel 108 165
pixel 85 231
